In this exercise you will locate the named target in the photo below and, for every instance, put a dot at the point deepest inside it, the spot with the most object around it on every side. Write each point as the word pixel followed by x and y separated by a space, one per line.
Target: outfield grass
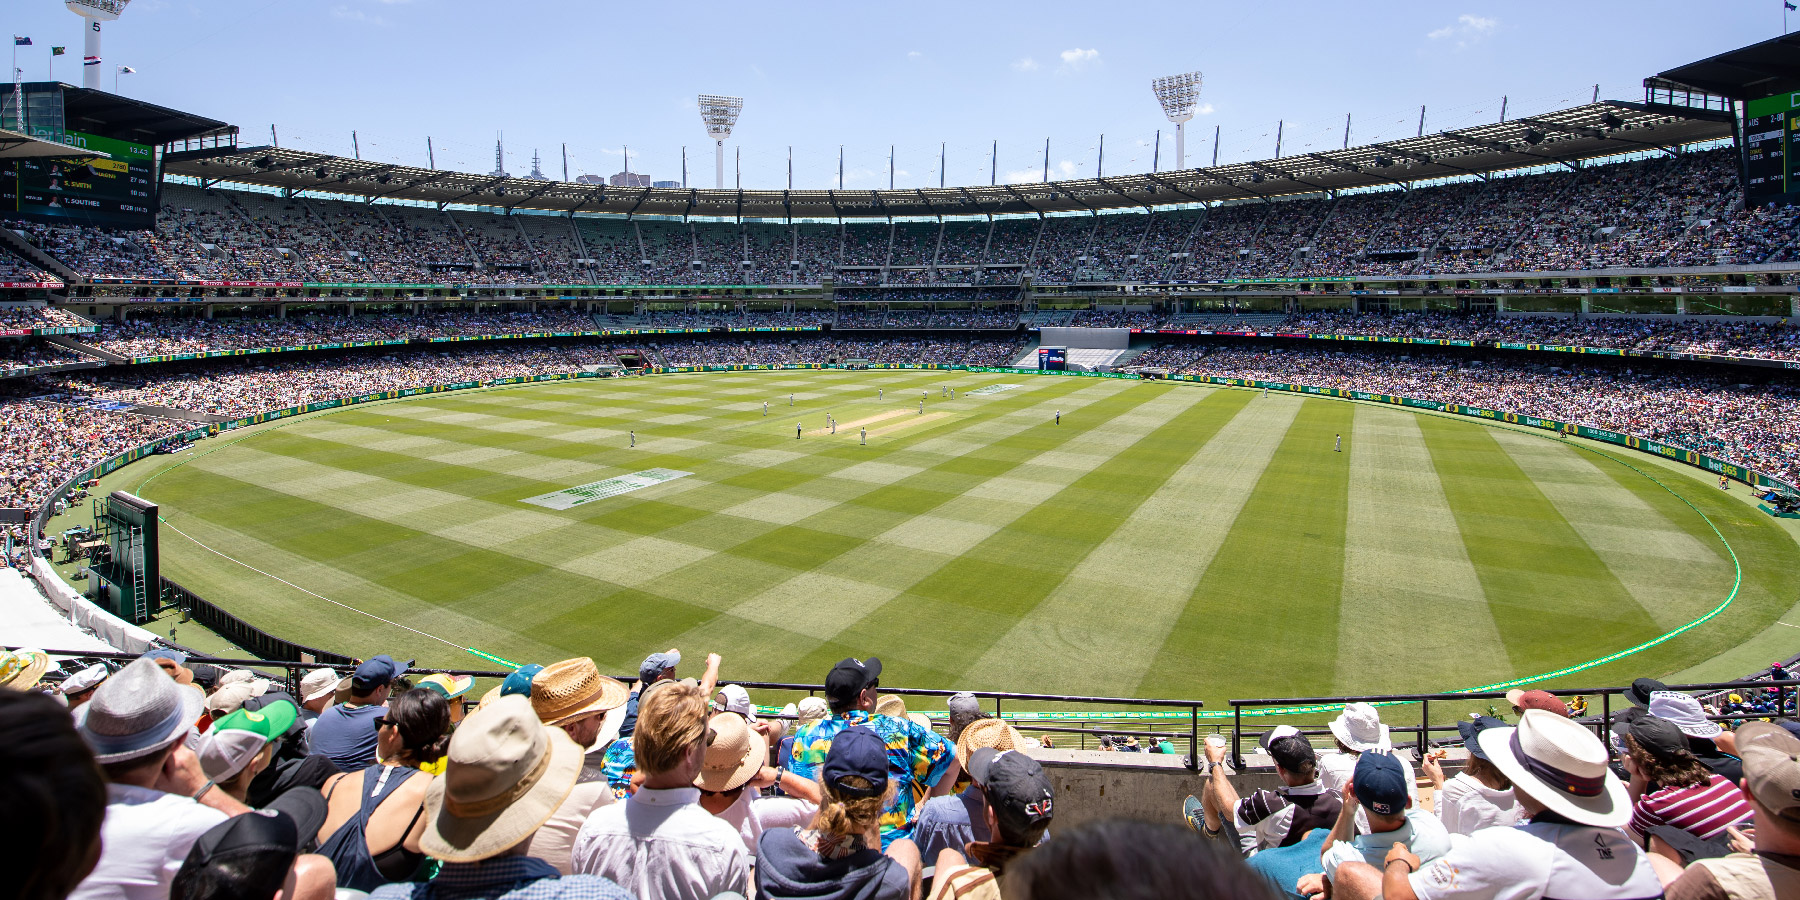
pixel 1163 540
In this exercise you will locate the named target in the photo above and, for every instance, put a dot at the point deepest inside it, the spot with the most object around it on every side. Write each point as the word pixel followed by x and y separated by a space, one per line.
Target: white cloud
pixel 347 14
pixel 913 54
pixel 1077 57
pixel 1059 171
pixel 1204 109
pixel 1467 29
pixel 1026 64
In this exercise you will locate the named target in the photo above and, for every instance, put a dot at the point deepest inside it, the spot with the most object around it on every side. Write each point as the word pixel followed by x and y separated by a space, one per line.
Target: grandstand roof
pixel 14 145
pixel 1747 73
pixel 1582 132
pixel 111 115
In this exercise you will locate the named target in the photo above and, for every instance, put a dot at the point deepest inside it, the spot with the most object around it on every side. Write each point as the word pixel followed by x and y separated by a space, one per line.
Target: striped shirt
pixel 1702 811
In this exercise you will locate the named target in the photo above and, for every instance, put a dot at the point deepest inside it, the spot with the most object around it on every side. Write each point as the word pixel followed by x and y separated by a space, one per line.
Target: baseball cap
pixel 1016 789
pixel 851 677
pixel 519 682
pixel 379 670
pixel 1771 758
pixel 236 739
pixel 256 849
pixel 737 700
pixel 964 704
pixel 860 752
pixel 1380 783
pixel 448 687
pixel 656 663
pixel 1685 712
pixel 175 656
pixel 1543 700
pixel 1659 737
pixel 1641 689
pixel 230 698
pixel 1470 728
pixel 1276 734
pixel 1292 752
pixel 318 683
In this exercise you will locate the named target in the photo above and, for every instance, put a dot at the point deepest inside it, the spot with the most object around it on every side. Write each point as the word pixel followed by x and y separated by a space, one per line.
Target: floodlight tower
pixel 1178 94
pixel 719 114
pixel 92 13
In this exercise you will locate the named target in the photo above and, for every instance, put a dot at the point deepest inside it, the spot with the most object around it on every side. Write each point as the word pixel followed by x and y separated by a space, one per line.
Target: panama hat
pixel 980 733
pixel 138 712
pixel 1561 765
pixel 21 669
pixel 318 683
pixel 1359 728
pixel 735 755
pixel 507 773
pixel 574 688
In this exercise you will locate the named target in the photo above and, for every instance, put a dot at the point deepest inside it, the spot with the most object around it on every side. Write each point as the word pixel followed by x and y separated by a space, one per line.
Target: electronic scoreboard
pixel 120 192
pixel 1772 150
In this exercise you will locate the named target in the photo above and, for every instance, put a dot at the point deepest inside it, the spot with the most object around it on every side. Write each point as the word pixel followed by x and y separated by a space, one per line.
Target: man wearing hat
pixel 954 820
pixel 1771 757
pixel 735 770
pixel 654 668
pixel 1379 788
pixel 346 732
pixel 79 687
pixel 253 856
pixel 1703 734
pixel 451 688
pixel 619 760
pixel 507 774
pixel 1017 805
pixel 1265 819
pixel 316 692
pixel 1544 700
pixel 1572 847
pixel 920 760
pixel 159 801
pixel 572 695
pixel 172 662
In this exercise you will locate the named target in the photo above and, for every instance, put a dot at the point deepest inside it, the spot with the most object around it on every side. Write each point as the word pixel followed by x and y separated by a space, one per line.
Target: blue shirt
pixel 951 822
pixel 917 758
pixel 620 763
pixel 504 878
pixel 1282 867
pixel 347 735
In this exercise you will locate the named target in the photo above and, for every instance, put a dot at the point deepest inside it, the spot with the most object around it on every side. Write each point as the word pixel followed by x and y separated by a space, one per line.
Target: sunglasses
pixel 384 721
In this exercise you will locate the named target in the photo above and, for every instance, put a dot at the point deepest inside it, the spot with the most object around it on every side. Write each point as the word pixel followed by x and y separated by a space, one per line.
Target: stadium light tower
pixel 719 114
pixel 1179 95
pixel 92 13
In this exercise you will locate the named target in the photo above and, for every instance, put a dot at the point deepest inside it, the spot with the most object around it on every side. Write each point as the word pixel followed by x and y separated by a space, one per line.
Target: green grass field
pixel 1163 540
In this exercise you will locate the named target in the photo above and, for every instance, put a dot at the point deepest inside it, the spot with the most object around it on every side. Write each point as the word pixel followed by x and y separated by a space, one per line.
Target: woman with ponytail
pixel 839 856
pixel 375 817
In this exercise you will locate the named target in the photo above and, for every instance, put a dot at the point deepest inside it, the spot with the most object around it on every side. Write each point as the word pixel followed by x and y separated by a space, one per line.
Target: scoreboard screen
pixel 120 192
pixel 1052 358
pixel 1772 150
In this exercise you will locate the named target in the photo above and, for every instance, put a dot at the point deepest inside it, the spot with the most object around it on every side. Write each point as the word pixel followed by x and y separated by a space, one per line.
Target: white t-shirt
pixel 1423 834
pixel 1466 806
pixel 661 844
pixel 1337 767
pixel 1549 860
pixel 752 816
pixel 146 835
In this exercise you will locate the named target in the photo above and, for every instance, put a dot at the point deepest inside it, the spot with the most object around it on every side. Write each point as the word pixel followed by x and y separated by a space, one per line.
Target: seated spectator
pixel 733 775
pixel 1356 729
pixel 659 844
pixel 158 799
pixel 840 853
pixel 451 688
pixel 376 820
pixel 316 692
pixel 1572 847
pixel 923 763
pixel 79 687
pixel 240 746
pixel 1681 808
pixel 954 821
pixel 573 696
pixel 1704 736
pixel 1480 796
pixel 1771 757
pixel 619 760
pixel 346 732
pixel 507 773
pixel 55 792
pixel 1544 700
pixel 1266 818
pixel 1123 859
pixel 1018 804
pixel 252 857
pixel 1379 787
pixel 964 709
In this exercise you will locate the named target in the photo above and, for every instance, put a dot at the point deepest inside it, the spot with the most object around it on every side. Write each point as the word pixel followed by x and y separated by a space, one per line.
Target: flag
pixel 21 41
pixel 127 70
pixel 57 51
pixel 1788 6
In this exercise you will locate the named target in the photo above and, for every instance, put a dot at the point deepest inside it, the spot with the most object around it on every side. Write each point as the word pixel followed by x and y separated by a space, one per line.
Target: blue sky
pixel 605 77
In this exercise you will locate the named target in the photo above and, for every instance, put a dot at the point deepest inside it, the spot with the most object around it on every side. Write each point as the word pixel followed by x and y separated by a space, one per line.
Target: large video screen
pixel 1772 150
pixel 120 192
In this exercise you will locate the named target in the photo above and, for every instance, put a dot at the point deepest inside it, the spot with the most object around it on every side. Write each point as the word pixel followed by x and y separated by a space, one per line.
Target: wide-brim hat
pixel 507 773
pixel 1562 766
pixel 21 669
pixel 318 683
pixel 980 733
pixel 734 757
pixel 137 712
pixel 573 689
pixel 1359 727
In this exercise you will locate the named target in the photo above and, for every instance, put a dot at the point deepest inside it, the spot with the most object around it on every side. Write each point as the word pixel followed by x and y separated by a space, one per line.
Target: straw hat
pixel 734 757
pixel 21 669
pixel 138 712
pixel 506 775
pixel 1561 765
pixel 574 688
pixel 890 705
pixel 980 733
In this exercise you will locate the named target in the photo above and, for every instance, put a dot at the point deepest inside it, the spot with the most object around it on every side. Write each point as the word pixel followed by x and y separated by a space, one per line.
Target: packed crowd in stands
pixel 825 350
pixel 22 318
pixel 1753 425
pixel 158 335
pixel 20 354
pixel 43 444
pixel 174 778
pixel 1647 213
pixel 15 269
pixel 1721 338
